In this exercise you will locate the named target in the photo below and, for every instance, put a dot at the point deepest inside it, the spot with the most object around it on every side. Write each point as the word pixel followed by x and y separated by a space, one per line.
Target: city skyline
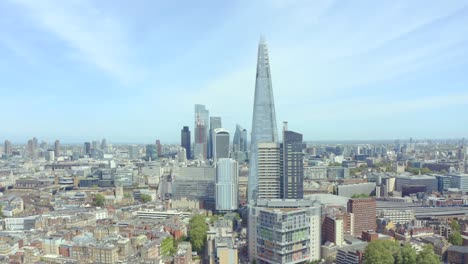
pixel 338 74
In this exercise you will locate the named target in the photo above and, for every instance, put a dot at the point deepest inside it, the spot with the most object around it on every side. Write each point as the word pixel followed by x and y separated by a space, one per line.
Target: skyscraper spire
pixel 264 117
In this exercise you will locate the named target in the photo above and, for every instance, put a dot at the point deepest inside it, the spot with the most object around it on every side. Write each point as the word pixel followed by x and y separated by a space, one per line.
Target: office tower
pixel 95 144
pixel 159 148
pixel 8 148
pixel 195 184
pixel 31 149
pixel 333 229
pixel 220 144
pixel 151 152
pixel 50 155
pixel 104 144
pixel 133 152
pixel 35 142
pixel 181 154
pixel 57 148
pixel 201 132
pixel 269 170
pixel 364 211
pixel 44 145
pixel 215 122
pixel 284 231
pixel 264 118
pixel 185 141
pixel 87 148
pixel 227 183
pixel 239 144
pixel 292 176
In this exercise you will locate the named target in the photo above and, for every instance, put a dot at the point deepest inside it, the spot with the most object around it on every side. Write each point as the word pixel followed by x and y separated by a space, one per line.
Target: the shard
pixel 264 118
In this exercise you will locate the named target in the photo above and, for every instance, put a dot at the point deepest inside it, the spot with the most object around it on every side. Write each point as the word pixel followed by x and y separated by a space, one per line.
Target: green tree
pixel 145 198
pixel 427 256
pixel 334 164
pixel 167 246
pixel 197 233
pixel 99 200
pixel 407 255
pixel 455 238
pixel 455 225
pixel 360 195
pixel 1 212
pixel 381 252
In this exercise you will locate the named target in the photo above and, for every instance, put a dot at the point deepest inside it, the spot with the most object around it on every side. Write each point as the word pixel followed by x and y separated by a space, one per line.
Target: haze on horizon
pixel 132 71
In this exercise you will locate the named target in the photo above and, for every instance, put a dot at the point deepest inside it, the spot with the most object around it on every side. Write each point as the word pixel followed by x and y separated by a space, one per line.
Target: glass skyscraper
pixel 202 119
pixel 264 117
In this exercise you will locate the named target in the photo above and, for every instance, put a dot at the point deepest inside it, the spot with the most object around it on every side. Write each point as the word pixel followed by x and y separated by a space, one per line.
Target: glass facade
pixel 264 127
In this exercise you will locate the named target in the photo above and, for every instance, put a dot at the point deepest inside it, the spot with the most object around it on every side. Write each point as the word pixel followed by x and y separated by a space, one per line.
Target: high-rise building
pixel 292 176
pixel 264 117
pixel 159 148
pixel 57 148
pixel 201 132
pixel 284 231
pixel 364 211
pixel 133 152
pixel 220 144
pixel 227 183
pixel 333 230
pixel 151 152
pixel 215 123
pixel 8 150
pixel 239 144
pixel 269 170
pixel 31 150
pixel 181 154
pixel 185 141
pixel 104 144
pixel 87 148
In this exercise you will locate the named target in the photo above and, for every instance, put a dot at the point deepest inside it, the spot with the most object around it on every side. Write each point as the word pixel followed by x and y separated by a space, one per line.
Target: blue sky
pixel 131 71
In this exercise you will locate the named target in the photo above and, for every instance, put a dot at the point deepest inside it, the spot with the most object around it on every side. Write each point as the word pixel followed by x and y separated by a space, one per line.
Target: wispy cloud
pixel 94 37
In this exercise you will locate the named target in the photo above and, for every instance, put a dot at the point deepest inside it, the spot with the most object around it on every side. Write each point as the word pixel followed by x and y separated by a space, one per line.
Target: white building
pixel 227 185
pixel 269 171
pixel 284 231
pixel 397 216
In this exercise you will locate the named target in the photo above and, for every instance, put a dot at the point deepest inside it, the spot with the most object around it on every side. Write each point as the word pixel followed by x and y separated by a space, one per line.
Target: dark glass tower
pixel 292 169
pixel 185 141
pixel 264 117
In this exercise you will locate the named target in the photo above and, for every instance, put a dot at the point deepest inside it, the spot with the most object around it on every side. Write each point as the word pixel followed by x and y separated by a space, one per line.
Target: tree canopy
pixel 167 246
pixel 427 256
pixel 455 238
pixel 360 195
pixel 197 233
pixel 455 225
pixel 99 200
pixel 145 198
pixel 390 252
